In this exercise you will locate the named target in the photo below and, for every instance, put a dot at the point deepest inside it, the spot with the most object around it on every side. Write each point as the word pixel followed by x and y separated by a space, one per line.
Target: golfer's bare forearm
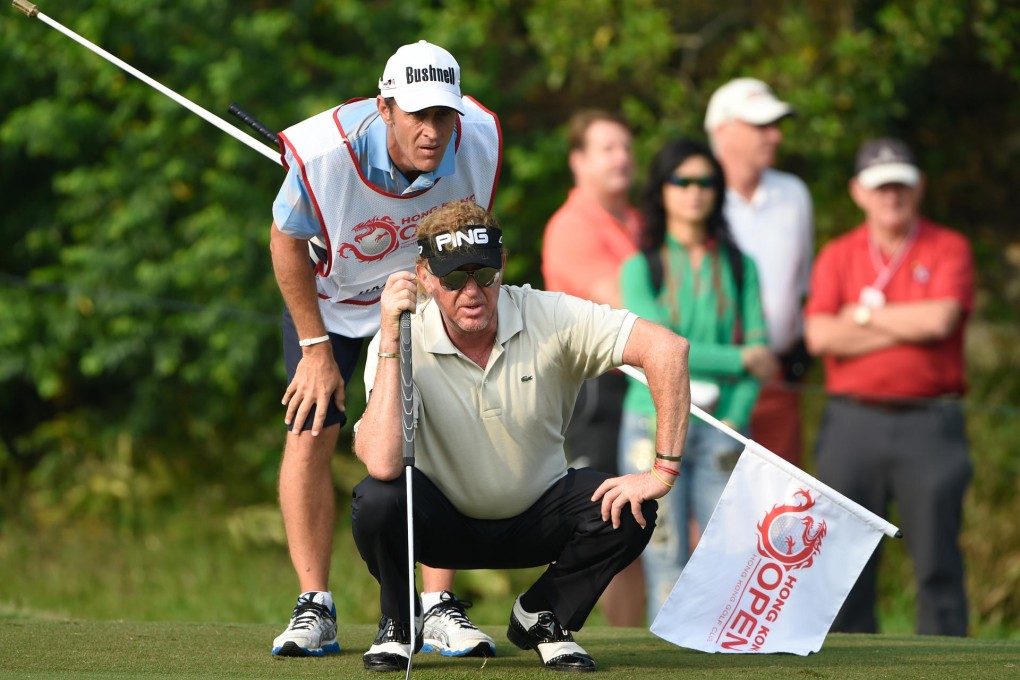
pixel 379 441
pixel 663 355
pixel 296 280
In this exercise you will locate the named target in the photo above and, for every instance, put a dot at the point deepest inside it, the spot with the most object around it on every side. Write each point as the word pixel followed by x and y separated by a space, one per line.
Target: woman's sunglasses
pixel 457 279
pixel 684 182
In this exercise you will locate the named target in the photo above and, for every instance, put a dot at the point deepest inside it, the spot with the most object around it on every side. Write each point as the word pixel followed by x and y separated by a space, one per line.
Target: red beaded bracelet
pixel 668 470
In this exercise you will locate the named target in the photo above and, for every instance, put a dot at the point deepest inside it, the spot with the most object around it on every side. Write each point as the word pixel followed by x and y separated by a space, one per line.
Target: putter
pixel 407 426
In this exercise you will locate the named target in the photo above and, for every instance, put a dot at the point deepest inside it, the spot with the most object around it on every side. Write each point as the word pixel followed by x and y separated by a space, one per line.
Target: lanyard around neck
pixel 885 270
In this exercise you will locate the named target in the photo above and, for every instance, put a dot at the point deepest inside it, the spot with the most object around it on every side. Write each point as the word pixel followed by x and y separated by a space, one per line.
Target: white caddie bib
pixel 368 233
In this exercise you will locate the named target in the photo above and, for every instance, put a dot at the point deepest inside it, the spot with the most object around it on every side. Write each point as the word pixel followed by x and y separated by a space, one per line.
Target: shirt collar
pixel 762 193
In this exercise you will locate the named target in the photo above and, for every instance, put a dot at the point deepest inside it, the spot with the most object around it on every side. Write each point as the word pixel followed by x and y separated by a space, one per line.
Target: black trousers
pixel 917 457
pixel 563 529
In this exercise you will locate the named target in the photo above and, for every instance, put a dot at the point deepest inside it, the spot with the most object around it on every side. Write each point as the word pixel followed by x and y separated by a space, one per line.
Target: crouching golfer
pixel 496 373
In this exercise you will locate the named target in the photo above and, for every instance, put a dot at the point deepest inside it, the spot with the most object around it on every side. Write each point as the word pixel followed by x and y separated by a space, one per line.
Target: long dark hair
pixel 663 165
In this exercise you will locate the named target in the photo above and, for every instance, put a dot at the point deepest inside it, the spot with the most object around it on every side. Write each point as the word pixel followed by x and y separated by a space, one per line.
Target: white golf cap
pixel 422 75
pixel 746 99
pixel 886 161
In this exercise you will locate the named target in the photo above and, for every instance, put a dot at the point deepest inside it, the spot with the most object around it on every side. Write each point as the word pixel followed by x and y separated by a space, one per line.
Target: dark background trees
pixel 139 354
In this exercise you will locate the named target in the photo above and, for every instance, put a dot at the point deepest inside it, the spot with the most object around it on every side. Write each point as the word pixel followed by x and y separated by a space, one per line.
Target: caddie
pixel 360 178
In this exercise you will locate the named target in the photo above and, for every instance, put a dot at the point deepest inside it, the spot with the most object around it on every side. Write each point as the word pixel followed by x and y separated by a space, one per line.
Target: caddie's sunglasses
pixel 684 182
pixel 457 279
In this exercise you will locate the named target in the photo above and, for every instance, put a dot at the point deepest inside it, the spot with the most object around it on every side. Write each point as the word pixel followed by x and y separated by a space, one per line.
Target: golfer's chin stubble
pixel 473 320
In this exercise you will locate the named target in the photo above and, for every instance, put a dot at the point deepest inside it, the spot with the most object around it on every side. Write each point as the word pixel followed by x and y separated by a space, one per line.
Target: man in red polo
pixel 586 241
pixel 887 310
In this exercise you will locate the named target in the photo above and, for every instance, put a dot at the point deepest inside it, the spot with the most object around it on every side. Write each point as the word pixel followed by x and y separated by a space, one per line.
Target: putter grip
pixel 406 390
pixel 254 124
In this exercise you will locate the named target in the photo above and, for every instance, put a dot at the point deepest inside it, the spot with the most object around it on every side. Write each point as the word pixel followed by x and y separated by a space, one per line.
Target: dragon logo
pixel 788 539
pixel 374 239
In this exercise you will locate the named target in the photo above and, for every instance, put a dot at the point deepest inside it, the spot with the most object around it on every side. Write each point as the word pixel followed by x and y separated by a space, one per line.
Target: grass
pixel 199 588
pixel 99 650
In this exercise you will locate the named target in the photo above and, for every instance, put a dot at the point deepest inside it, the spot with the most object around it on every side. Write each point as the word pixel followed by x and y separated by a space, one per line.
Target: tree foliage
pixel 139 339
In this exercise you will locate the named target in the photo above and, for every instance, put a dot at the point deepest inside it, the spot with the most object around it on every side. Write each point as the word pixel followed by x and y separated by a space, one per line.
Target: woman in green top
pixel 692 278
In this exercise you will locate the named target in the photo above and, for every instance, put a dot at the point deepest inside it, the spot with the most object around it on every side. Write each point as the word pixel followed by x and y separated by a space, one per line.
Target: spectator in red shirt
pixel 887 310
pixel 586 241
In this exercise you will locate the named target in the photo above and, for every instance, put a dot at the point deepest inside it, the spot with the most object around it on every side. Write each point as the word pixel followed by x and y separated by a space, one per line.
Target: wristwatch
pixel 862 315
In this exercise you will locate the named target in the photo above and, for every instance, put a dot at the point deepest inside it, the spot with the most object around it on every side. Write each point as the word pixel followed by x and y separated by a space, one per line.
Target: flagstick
pixel 789 468
pixel 31 11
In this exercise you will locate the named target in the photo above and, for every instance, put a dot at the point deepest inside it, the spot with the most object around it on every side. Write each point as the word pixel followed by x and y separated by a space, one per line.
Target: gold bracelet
pixel 656 475
pixel 389 355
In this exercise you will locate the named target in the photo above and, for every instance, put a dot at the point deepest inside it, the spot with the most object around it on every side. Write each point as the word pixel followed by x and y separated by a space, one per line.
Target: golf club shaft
pixel 31 11
pixel 407 428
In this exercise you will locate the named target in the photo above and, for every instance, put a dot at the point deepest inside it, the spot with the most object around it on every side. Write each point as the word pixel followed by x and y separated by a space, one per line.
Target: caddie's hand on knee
pixel 627 493
pixel 316 381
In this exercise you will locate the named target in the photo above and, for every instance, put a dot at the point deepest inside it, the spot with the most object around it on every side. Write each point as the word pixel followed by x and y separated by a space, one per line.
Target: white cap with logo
pixel 422 75
pixel 746 99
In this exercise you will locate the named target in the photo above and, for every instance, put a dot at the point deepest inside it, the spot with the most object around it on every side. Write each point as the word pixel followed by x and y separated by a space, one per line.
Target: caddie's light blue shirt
pixel 292 209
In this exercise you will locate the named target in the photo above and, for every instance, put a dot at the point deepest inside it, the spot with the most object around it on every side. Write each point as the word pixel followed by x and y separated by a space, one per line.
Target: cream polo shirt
pixel 492 439
pixel 777 229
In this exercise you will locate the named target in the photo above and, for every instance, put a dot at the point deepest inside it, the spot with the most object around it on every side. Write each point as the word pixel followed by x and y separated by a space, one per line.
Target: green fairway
pixel 116 649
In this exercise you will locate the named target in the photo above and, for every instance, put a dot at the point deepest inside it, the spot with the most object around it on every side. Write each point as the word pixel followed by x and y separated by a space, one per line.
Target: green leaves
pixel 136 293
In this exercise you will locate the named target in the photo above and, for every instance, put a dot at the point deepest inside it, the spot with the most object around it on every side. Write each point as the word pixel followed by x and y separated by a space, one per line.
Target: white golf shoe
pixel 312 629
pixel 449 631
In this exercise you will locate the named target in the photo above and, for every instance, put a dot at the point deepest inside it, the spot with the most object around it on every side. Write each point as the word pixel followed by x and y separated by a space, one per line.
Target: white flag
pixel 774 565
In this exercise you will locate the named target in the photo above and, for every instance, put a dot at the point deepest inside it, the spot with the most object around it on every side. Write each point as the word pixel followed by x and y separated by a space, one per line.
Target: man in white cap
pixel 889 301
pixel 772 219
pixel 361 176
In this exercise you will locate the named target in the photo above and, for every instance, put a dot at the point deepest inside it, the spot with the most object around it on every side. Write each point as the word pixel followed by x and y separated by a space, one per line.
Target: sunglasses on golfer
pixel 684 182
pixel 457 279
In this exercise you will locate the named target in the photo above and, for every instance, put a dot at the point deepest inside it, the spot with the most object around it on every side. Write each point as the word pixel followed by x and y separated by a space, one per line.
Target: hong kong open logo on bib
pixel 373 239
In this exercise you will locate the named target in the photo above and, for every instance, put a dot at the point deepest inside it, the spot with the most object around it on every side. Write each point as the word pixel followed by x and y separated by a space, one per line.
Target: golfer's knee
pixel 375 504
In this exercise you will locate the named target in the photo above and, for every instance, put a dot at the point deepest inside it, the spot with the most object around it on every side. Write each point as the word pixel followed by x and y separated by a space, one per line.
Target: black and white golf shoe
pixel 543 633
pixel 391 649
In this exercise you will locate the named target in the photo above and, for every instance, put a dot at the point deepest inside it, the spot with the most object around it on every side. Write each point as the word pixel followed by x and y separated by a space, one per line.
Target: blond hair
pixel 452 217
pixel 449 218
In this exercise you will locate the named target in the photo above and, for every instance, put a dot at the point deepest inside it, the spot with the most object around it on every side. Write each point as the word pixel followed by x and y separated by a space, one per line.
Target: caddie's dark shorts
pixel 345 351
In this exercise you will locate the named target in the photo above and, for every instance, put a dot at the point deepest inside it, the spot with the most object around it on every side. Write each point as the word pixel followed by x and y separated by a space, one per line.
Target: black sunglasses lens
pixel 683 182
pixel 485 276
pixel 457 279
